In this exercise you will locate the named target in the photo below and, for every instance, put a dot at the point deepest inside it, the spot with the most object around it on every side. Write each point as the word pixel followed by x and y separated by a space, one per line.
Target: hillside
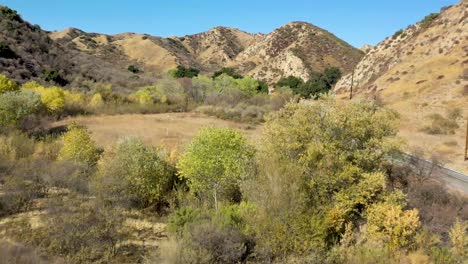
pixel 296 49
pixel 28 53
pixel 422 73
pixel 79 57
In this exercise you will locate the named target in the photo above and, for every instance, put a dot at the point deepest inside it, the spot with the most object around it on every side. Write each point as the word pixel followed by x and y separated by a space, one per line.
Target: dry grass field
pixel 170 130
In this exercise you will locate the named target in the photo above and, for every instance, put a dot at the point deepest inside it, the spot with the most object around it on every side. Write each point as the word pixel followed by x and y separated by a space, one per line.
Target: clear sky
pixel 355 21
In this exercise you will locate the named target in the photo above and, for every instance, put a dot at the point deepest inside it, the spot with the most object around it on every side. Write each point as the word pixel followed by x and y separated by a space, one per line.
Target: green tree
pixel 183 72
pixel 134 173
pixel 292 82
pixel 215 162
pixel 321 168
pixel 15 106
pixel 78 146
pixel 7 85
pixel 228 71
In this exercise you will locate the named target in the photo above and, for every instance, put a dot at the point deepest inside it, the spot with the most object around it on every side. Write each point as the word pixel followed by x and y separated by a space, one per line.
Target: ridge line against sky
pixel 357 22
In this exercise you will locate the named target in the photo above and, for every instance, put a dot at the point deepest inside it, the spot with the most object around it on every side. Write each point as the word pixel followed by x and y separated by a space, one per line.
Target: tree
pixel 215 162
pixel 248 85
pixel 320 170
pixel 292 82
pixel 134 173
pixel 228 71
pixel 78 146
pixel 183 72
pixel 7 85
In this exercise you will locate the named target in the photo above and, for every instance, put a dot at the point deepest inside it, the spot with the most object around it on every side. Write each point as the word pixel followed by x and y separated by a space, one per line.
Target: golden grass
pixel 170 130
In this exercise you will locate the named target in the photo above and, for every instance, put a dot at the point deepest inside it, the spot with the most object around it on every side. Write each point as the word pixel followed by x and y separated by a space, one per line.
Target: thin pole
pixel 352 83
pixel 466 144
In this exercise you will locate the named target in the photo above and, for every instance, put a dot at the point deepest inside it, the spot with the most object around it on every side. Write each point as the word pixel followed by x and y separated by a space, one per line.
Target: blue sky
pixel 356 21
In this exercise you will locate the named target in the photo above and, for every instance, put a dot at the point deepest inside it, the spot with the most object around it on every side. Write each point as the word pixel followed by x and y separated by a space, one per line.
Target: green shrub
pixel 54 76
pixel 397 33
pixel 16 106
pixel 182 218
pixel 133 69
pixel 427 20
pixel 134 174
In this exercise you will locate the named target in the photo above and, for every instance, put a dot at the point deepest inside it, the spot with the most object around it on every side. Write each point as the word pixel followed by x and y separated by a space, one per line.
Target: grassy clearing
pixel 171 130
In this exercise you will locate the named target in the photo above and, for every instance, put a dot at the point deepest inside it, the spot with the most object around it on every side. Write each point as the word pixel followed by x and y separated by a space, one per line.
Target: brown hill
pixel 295 49
pixel 28 53
pixel 422 73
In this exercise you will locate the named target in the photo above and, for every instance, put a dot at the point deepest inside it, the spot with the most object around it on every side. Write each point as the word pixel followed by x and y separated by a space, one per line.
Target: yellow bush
pixel 78 146
pixel 53 98
pixel 7 85
pixel 96 101
pixel 459 238
pixel 74 98
pixel 390 223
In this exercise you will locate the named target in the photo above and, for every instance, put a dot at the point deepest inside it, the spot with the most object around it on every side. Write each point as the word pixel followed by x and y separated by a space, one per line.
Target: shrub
pixel 133 69
pixel 390 223
pixel 7 85
pixel 16 106
pixel 440 125
pixel 78 146
pixel 459 238
pixel 53 98
pixel 182 218
pixel 227 71
pixel 80 231
pixel 215 162
pixel 133 173
pixel 397 33
pixel 427 20
pixel 10 13
pixel 54 76
pixel 96 101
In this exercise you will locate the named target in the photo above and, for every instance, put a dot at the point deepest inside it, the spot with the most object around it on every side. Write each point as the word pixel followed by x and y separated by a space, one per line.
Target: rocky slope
pixel 421 71
pixel 295 49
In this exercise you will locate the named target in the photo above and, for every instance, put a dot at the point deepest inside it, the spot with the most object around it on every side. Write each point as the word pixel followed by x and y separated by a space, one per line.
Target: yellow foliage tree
pixel 53 98
pixel 7 85
pixel 389 222
pixel 78 146
pixel 96 101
